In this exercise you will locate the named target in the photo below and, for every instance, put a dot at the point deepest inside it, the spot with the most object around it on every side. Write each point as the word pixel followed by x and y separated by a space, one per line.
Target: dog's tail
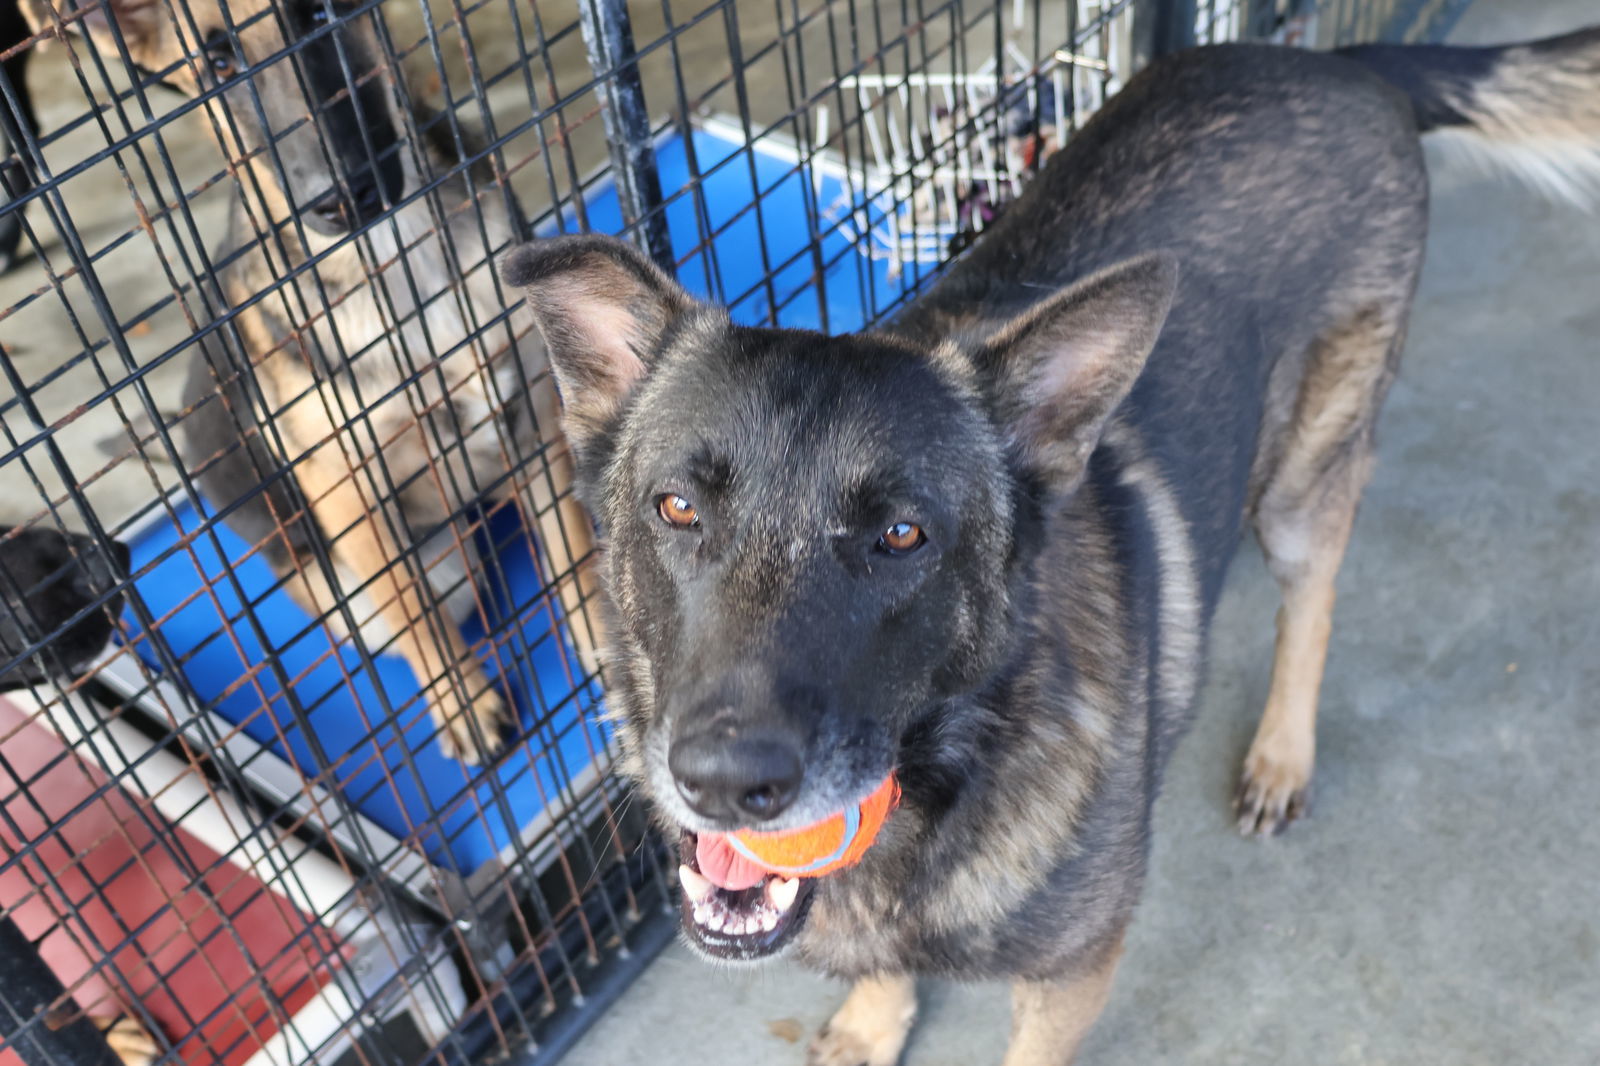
pixel 1532 109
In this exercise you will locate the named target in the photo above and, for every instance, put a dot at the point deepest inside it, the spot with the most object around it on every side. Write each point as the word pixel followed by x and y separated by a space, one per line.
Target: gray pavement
pixel 1442 905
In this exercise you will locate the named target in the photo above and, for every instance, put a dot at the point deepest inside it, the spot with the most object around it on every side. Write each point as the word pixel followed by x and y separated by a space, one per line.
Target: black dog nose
pixel 369 200
pixel 329 210
pixel 736 776
pixel 339 214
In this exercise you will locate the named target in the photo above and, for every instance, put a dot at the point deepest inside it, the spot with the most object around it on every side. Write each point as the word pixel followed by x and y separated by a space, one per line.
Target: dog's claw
pixel 128 1040
pixel 833 1047
pixel 870 1029
pixel 456 720
pixel 1269 797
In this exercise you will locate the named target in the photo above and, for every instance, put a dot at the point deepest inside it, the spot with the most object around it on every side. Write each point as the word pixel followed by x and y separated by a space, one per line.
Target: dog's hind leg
pixel 1049 1019
pixel 469 712
pixel 566 538
pixel 1303 520
pixel 871 1028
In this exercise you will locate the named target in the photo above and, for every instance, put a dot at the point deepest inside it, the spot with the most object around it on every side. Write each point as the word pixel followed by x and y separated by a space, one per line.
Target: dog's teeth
pixel 695 886
pixel 716 921
pixel 782 892
pixel 702 911
pixel 769 921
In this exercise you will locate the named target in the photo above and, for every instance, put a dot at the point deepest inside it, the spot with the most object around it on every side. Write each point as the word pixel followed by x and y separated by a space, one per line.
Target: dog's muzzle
pixel 743 925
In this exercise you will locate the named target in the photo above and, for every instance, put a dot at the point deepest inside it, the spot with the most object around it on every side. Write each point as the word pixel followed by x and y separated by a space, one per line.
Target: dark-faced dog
pixel 48 579
pixel 981 546
pixel 367 392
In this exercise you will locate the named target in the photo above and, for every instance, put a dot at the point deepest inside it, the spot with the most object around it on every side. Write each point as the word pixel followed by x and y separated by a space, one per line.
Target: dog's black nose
pixel 327 214
pixel 737 775
pixel 334 212
pixel 369 200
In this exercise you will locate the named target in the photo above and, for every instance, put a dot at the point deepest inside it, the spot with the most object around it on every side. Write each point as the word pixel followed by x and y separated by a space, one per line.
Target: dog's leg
pixel 1303 521
pixel 871 1028
pixel 566 538
pixel 1049 1019
pixel 314 594
pixel 427 640
pixel 128 1040
pixel 1274 786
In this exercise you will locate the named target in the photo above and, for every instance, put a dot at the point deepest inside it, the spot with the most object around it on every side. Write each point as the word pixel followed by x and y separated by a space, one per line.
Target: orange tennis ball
pixel 822 847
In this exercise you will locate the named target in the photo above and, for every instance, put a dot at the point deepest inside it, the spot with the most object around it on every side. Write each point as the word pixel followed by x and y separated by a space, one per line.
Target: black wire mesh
pixel 348 545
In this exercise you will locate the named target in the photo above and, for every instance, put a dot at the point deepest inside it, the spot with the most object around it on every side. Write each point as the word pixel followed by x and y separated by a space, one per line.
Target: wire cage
pixel 303 756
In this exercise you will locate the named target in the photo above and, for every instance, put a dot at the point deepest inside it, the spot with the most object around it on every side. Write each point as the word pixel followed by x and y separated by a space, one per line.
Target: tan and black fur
pixel 981 546
pixel 359 393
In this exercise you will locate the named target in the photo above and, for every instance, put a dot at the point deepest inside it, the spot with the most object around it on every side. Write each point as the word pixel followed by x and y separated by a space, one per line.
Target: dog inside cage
pixel 351 407
pixel 307 754
pixel 347 418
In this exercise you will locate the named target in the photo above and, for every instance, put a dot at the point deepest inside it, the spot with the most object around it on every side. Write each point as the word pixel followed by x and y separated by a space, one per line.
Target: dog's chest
pixel 855 934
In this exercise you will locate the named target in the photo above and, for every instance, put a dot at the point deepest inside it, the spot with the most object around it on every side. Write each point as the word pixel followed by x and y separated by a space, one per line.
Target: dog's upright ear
pixel 140 23
pixel 603 308
pixel 1057 372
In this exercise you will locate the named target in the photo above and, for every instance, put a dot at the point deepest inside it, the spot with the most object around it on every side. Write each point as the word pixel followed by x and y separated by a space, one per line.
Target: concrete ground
pixel 1441 906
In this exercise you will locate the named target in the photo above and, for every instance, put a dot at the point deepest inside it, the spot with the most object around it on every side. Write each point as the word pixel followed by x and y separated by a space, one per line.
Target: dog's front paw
pixel 870 1028
pixel 128 1040
pixel 471 730
pixel 835 1046
pixel 1274 790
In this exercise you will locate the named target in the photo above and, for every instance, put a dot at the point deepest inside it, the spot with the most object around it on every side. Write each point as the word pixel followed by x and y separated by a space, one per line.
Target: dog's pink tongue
pixel 723 866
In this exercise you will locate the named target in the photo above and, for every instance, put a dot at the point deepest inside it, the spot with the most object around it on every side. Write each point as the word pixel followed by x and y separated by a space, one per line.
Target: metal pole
pixel 1162 27
pixel 27 992
pixel 608 39
pixel 1407 22
pixel 17 126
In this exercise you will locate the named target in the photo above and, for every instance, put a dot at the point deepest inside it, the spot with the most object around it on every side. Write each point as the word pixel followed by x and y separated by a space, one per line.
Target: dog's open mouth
pixel 748 918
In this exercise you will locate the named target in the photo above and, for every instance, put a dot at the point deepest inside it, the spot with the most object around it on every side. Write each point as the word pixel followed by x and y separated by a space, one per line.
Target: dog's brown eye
pixel 902 538
pixel 677 511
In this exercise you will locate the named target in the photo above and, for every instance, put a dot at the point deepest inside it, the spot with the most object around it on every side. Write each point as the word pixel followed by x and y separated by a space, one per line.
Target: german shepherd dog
pixel 980 547
pixel 383 377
